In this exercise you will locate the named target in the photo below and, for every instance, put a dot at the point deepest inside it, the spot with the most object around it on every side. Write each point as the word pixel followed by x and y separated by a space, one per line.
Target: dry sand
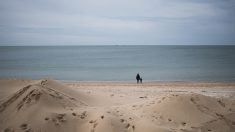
pixel 50 106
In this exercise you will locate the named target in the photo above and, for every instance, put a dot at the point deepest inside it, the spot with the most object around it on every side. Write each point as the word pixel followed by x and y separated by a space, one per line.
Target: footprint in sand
pixel 133 105
pixel 24 126
pixel 83 115
pixel 219 115
pixel 122 120
pixel 72 98
pixel 92 121
pixel 233 123
pixel 46 118
pixel 128 125
pixel 175 95
pixel 56 122
pixel 133 127
pixel 143 97
pixel 94 125
pixel 102 117
pixel 74 114
pixel 183 123
pixel 193 100
pixel 221 103
pixel 59 119
pixel 9 130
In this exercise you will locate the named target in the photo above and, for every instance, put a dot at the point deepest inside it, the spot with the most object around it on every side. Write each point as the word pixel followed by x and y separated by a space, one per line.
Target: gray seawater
pixel 119 63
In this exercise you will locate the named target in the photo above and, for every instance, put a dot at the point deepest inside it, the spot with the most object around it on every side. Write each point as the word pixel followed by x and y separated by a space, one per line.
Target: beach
pixel 116 106
pixel 117 66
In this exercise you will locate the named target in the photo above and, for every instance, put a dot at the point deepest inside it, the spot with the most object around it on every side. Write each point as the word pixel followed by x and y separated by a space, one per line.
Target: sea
pixel 119 63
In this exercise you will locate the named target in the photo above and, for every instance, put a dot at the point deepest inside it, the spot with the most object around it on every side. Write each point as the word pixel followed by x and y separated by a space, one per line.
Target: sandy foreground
pixel 53 106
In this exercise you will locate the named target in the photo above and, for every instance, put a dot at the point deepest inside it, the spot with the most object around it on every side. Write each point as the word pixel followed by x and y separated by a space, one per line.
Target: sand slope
pixel 50 106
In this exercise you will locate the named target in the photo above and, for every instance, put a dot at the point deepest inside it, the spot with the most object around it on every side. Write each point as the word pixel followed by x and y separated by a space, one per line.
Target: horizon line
pixel 121 45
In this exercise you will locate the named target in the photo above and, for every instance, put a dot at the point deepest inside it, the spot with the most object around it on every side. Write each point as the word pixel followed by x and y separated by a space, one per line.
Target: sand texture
pixel 52 106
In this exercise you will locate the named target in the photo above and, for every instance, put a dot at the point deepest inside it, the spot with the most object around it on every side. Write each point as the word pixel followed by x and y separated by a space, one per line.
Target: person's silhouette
pixel 138 77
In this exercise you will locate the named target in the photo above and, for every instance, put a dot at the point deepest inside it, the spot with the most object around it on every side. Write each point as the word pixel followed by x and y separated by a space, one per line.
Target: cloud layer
pixel 86 22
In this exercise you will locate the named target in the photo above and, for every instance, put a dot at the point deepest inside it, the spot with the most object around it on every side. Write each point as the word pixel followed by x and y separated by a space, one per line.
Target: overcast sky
pixel 117 22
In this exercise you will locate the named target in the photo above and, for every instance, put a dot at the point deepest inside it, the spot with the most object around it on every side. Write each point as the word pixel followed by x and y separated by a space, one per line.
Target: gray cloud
pixel 81 22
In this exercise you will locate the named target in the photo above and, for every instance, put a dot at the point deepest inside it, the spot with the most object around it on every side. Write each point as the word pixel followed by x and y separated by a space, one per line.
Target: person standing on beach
pixel 138 77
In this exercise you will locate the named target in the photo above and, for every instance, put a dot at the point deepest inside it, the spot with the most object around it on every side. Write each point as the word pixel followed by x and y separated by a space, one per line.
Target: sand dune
pixel 50 106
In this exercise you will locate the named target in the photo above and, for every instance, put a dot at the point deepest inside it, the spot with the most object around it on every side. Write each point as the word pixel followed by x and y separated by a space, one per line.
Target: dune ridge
pixel 49 106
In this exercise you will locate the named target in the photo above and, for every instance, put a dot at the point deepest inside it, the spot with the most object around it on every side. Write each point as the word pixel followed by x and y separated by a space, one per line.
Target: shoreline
pixel 124 81
pixel 156 84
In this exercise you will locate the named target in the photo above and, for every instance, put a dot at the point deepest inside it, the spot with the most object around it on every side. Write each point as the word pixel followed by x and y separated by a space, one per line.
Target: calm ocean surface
pixel 119 63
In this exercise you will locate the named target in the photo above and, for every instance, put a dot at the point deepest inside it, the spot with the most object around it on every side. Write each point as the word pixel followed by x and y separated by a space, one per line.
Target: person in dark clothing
pixel 141 80
pixel 138 77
